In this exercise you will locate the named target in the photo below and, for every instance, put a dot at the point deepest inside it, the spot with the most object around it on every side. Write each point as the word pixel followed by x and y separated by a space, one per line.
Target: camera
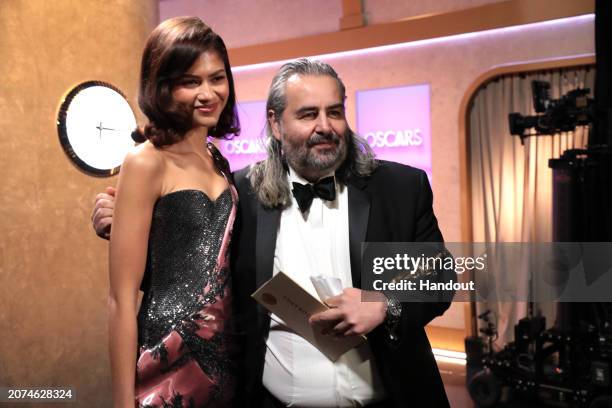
pixel 554 115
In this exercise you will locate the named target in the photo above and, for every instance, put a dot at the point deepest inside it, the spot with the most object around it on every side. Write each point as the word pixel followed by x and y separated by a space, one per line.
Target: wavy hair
pixel 171 50
pixel 269 177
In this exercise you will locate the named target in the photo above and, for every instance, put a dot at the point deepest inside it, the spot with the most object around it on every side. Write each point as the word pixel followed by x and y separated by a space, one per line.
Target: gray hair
pixel 277 100
pixel 269 177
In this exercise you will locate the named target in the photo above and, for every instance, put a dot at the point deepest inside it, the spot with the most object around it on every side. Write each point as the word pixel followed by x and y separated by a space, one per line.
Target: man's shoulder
pixel 391 179
pixel 241 178
pixel 397 171
pixel 241 175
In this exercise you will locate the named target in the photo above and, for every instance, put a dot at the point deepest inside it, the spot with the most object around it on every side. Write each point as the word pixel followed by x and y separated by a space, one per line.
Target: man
pixel 305 210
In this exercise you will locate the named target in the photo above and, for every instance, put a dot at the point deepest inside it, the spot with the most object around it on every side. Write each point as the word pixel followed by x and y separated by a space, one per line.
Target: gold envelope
pixel 285 298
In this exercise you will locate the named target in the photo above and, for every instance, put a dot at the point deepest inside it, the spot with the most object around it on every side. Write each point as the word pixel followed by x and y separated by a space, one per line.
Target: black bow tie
pixel 305 193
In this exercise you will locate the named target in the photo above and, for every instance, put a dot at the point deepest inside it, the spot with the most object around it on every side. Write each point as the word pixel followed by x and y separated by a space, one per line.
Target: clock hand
pixel 101 128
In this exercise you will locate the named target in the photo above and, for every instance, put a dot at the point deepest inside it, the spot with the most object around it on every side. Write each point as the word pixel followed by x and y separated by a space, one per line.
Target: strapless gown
pixel 185 340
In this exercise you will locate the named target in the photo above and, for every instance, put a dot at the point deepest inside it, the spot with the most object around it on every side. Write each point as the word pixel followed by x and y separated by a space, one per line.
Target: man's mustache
pixel 317 138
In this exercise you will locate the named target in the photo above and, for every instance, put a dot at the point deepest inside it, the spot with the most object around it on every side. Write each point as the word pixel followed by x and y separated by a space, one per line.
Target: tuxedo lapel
pixel 268 221
pixel 265 242
pixel 359 213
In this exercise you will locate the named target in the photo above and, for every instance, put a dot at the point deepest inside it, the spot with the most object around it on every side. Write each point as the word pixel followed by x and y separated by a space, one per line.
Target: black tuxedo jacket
pixel 393 204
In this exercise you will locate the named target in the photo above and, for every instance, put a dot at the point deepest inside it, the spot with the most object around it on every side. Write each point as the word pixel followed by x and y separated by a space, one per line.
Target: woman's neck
pixel 194 141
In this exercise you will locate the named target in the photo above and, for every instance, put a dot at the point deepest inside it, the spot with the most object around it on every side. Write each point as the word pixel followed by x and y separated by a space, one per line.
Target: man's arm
pixel 426 230
pixel 419 314
pixel 351 315
pixel 357 312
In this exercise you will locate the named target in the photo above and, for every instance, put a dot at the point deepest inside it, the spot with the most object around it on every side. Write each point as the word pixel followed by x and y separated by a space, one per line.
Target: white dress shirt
pixel 295 372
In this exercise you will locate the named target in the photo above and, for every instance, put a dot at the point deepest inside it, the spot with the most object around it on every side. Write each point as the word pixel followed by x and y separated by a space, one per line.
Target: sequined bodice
pixel 182 273
pixel 186 343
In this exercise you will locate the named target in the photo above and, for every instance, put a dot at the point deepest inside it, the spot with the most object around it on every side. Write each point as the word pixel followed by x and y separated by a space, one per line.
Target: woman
pixel 174 213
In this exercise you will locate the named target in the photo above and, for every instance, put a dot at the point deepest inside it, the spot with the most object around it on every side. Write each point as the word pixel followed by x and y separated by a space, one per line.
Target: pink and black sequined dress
pixel 185 338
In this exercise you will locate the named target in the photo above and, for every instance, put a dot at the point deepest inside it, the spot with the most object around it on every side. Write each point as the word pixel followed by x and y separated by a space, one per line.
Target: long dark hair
pixel 269 177
pixel 171 50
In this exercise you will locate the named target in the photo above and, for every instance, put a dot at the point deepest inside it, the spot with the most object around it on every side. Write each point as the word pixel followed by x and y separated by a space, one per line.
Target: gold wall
pixel 53 269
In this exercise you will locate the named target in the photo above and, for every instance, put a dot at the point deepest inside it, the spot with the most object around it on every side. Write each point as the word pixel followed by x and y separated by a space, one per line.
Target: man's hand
pixel 102 215
pixel 350 315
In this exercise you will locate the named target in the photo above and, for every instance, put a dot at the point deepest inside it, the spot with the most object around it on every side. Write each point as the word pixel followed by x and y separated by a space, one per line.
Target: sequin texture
pixel 184 327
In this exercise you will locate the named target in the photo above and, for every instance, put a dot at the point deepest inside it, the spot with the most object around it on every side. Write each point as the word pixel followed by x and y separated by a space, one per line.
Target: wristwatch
pixel 394 313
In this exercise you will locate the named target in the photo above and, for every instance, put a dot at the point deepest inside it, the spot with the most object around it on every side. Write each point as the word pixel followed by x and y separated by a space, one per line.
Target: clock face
pixel 95 123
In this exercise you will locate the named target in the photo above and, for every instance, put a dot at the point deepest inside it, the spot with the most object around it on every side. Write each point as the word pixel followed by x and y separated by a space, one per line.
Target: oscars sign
pixel 397 125
pixel 247 148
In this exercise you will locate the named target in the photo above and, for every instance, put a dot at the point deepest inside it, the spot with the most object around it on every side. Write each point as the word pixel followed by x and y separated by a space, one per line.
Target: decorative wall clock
pixel 95 123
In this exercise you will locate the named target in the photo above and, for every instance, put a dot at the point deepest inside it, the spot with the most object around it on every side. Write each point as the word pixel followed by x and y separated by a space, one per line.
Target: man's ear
pixel 274 125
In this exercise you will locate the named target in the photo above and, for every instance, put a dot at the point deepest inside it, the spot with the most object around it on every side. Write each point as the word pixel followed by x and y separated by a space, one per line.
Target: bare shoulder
pixel 145 159
pixel 141 173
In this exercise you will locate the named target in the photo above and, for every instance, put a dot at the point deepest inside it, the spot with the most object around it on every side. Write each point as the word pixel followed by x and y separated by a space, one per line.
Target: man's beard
pixel 304 160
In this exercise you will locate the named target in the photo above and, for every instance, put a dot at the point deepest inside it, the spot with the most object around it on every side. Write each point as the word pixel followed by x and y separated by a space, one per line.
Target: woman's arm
pixel 138 188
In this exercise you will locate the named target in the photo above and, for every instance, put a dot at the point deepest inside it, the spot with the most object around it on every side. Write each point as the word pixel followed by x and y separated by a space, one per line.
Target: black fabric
pixel 394 204
pixel 305 193
pixel 270 401
pixel 602 130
